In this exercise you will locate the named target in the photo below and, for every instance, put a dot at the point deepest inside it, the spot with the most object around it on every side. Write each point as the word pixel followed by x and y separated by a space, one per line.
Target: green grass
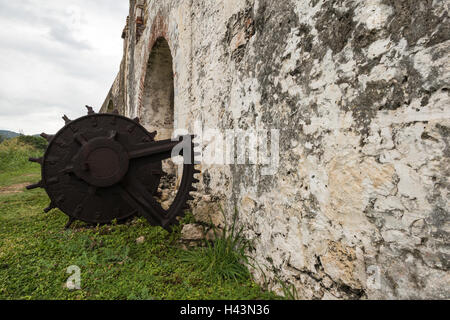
pixel 35 252
pixel 14 165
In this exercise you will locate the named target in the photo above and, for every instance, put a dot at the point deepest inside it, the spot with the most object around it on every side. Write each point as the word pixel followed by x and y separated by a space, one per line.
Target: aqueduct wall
pixel 359 204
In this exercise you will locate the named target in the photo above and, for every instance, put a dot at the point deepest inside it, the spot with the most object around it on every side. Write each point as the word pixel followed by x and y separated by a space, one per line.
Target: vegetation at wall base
pixel 224 258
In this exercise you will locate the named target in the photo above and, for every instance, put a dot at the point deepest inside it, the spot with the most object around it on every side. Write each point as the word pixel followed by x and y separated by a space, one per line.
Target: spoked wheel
pixel 105 167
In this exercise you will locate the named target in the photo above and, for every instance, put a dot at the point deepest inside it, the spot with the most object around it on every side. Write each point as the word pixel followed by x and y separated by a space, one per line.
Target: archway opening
pixel 157 112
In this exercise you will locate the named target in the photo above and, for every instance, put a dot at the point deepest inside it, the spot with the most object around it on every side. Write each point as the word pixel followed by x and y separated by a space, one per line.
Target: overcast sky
pixel 56 56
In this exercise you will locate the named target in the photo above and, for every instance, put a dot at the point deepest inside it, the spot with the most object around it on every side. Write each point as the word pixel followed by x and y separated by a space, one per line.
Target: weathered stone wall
pixel 359 207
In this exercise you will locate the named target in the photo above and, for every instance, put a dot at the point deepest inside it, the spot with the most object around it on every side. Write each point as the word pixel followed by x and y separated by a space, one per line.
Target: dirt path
pixel 16 188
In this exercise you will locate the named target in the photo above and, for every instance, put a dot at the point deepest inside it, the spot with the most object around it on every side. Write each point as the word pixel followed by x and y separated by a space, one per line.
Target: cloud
pixel 56 57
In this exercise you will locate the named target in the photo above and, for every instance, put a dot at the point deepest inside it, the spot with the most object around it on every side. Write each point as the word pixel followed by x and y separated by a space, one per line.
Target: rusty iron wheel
pixel 105 167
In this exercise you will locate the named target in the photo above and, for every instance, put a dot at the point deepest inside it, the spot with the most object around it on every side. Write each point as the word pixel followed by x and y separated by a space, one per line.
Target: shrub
pixel 38 143
pixel 14 154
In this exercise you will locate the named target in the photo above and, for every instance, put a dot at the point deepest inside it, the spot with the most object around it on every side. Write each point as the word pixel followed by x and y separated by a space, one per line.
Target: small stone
pixel 140 240
pixel 165 205
pixel 192 232
pixel 208 213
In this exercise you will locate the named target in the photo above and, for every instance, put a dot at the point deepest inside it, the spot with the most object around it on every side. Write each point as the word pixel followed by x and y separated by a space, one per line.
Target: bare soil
pixel 16 188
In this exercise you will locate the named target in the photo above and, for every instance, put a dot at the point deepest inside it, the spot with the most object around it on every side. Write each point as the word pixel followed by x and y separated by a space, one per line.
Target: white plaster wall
pixel 359 89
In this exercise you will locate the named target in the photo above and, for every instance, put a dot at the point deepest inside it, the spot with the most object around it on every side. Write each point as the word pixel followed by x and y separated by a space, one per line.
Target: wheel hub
pixel 101 162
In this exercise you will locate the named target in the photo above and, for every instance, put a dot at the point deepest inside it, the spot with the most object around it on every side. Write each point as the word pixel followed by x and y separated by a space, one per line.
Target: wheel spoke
pixel 154 151
pixel 139 198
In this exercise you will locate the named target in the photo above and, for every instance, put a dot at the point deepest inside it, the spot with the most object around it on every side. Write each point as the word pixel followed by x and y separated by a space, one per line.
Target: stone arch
pixel 157 106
